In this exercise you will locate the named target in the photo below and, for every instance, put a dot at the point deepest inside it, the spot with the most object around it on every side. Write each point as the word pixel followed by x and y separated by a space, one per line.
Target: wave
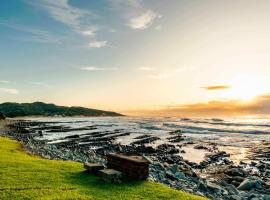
pixel 216 130
pixel 224 123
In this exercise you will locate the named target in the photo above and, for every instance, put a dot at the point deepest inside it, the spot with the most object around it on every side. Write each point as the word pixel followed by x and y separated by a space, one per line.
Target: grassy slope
pixel 24 176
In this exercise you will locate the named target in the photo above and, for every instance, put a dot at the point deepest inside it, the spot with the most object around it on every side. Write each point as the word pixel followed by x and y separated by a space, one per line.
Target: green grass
pixel 23 176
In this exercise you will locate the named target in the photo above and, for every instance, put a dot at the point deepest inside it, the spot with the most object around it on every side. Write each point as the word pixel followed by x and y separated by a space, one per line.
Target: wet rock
pixel 200 146
pixel 176 132
pixel 167 149
pixel 170 176
pixel 145 140
pixel 213 186
pixel 249 184
pixel 145 149
pixel 72 137
pixel 142 137
pixel 177 138
pixel 236 172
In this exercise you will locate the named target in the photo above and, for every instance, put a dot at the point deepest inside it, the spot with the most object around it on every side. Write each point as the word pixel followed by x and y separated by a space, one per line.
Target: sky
pixel 136 55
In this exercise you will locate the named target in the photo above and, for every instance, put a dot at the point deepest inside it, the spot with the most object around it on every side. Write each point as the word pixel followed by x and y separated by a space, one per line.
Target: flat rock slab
pixel 111 176
pixel 93 168
pixel 132 167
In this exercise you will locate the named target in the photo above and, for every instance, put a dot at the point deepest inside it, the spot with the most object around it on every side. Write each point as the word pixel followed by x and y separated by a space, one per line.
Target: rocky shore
pixel 216 177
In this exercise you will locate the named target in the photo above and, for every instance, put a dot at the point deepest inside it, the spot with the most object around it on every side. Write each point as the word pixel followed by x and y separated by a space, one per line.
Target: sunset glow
pixel 246 88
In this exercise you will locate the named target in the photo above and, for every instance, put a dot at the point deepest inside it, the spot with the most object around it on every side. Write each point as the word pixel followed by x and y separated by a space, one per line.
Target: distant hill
pixel 43 109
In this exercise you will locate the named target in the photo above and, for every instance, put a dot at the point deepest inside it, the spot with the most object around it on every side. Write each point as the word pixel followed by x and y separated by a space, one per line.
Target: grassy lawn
pixel 23 176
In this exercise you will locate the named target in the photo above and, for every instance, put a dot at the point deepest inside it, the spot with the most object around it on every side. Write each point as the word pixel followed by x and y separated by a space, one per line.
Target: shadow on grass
pixel 85 180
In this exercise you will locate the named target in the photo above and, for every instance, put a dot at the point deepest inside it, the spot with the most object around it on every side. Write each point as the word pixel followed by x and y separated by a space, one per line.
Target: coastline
pixel 165 167
pixel 24 176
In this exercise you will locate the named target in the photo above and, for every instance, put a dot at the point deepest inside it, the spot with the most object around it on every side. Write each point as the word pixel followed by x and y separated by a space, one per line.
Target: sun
pixel 246 88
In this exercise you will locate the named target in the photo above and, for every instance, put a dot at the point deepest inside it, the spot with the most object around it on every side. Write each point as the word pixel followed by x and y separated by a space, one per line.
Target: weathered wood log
pixel 111 176
pixel 93 168
pixel 132 167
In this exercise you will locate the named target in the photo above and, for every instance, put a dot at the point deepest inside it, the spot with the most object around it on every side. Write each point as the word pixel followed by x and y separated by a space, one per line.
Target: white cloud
pixel 62 11
pixel 4 81
pixel 158 27
pixel 97 44
pixel 74 17
pixel 146 68
pixel 39 84
pixel 122 4
pixel 94 68
pixel 144 21
pixel 9 90
pixel 89 32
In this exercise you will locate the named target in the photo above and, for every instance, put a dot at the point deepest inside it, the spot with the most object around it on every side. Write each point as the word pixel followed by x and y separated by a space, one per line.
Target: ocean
pixel 233 135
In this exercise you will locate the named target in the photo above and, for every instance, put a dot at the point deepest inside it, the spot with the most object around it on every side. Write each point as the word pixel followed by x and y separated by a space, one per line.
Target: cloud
pixel 158 27
pixel 4 81
pixel 89 32
pixel 125 3
pixel 39 84
pixel 62 11
pixel 216 87
pixel 71 16
pixel 259 106
pixel 35 35
pixel 137 15
pixel 144 20
pixel 97 44
pixel 9 90
pixel 146 69
pixel 94 68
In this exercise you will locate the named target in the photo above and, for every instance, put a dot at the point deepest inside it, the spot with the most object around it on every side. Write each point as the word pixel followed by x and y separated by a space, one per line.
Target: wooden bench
pixel 111 176
pixel 93 168
pixel 132 167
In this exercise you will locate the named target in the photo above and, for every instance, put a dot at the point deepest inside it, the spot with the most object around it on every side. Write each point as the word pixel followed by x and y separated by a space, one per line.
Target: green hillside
pixel 24 176
pixel 43 109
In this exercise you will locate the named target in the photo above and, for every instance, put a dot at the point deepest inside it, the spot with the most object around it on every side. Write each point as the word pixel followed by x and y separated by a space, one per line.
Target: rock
pixel 200 146
pixel 202 186
pixel 148 159
pixel 213 186
pixel 145 149
pixel 40 133
pixel 174 168
pixel 236 172
pixel 232 189
pixel 72 137
pixel 235 197
pixel 176 132
pixel 168 149
pixel 179 175
pixel 170 175
pixel 111 176
pixel 249 184
pixel 145 140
